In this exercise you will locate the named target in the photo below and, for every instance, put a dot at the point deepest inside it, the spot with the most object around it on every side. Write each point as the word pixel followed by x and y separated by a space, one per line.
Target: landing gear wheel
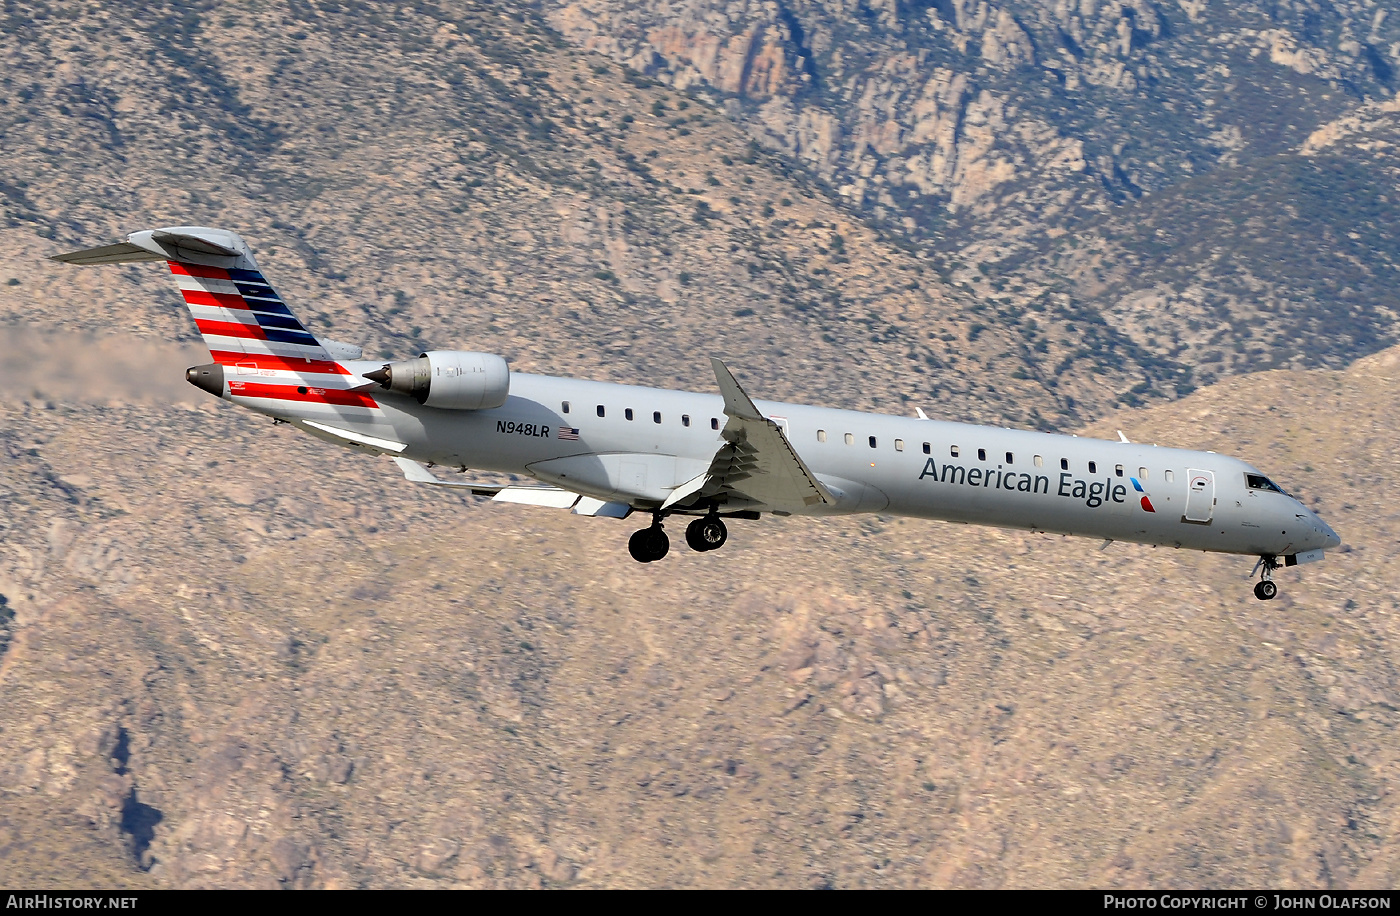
pixel 660 543
pixel 707 533
pixel 1265 590
pixel 637 546
pixel 649 544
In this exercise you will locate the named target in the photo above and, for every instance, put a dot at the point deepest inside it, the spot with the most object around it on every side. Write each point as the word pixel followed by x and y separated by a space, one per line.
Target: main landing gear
pixel 708 533
pixel 651 544
pixel 1266 589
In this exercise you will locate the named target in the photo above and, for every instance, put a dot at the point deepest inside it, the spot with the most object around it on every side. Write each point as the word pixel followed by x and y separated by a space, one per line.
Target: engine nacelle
pixel 450 379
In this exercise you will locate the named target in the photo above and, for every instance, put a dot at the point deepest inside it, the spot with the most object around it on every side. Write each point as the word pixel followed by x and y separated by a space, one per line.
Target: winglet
pixel 1123 438
pixel 737 403
pixel 919 412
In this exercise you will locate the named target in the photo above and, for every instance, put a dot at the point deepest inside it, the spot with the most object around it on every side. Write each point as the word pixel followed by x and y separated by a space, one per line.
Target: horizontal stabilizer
pixel 183 244
pixel 119 253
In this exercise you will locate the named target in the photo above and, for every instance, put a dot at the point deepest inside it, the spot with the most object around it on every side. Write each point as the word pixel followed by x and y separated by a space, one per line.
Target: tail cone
pixel 383 376
pixel 209 378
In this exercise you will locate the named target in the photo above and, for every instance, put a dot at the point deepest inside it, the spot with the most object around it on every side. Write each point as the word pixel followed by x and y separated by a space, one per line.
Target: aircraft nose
pixel 1328 536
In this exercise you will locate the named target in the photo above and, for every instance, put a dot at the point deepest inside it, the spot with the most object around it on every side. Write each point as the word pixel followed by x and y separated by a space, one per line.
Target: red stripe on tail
pixel 230 329
pixel 284 363
pixel 221 300
pixel 198 270
pixel 300 393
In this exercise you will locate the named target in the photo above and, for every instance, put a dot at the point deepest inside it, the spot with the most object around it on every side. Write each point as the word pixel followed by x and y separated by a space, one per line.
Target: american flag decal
pixel 568 433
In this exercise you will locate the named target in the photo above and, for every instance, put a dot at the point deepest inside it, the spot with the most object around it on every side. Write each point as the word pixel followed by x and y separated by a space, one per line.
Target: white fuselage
pixel 637 444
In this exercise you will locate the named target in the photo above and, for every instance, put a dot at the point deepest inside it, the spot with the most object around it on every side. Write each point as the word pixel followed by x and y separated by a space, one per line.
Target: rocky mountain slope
pixel 1156 164
pixel 240 657
pixel 455 177
pixel 234 656
pixel 1011 114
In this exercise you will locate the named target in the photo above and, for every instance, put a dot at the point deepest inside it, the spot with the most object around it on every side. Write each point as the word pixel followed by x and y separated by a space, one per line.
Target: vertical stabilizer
pixel 265 352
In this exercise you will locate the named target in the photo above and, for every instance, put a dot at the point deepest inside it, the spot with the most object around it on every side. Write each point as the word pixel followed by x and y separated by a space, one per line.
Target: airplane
pixel 610 450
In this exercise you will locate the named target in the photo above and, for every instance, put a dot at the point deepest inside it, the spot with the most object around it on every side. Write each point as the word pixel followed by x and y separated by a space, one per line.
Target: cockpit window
pixel 1259 482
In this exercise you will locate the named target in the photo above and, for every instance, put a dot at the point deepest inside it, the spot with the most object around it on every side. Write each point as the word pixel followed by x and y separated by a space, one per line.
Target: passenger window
pixel 656 416
pixel 953 450
pixel 1170 476
pixel 821 435
pixel 872 441
pixel 1142 472
pixel 1064 464
pixel 714 422
pixel 600 410
pixel 981 454
pixel 1039 461
pixel 928 449
pixel 627 413
pixel 566 407
pixel 899 445
pixel 850 439
pixel 1008 458
pixel 1118 471
pixel 685 419
pixel 1093 467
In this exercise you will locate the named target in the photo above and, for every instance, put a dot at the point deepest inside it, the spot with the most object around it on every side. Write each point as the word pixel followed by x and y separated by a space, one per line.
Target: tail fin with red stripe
pixel 237 311
pixel 263 351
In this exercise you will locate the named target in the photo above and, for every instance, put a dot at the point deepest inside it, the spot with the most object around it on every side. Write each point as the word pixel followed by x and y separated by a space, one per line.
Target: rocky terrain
pixel 1019 113
pixel 500 192
pixel 241 657
pixel 1149 162
pixel 233 656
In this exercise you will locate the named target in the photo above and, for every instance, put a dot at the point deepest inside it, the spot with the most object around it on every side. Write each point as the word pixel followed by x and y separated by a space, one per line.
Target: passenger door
pixel 1200 496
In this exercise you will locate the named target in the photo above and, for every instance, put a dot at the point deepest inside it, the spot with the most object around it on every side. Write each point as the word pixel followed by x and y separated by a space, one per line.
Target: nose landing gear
pixel 1265 588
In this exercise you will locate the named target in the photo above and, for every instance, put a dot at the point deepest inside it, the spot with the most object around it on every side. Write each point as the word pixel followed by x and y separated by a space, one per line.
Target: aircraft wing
pixel 756 462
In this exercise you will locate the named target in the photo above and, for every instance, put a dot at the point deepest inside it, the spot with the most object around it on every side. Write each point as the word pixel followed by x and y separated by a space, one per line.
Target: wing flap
pixel 415 472
pixel 597 508
pixel 549 497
